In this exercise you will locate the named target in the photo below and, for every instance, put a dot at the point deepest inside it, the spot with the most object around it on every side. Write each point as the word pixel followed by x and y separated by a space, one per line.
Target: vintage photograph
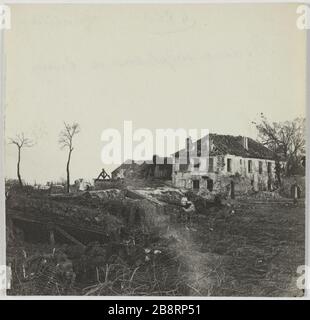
pixel 155 150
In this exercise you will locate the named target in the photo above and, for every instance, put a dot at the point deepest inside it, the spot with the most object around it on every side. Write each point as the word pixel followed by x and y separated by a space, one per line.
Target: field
pixel 238 248
pixel 263 244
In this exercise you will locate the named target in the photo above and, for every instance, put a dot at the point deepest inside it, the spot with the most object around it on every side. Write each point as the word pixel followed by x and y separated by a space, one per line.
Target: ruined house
pixel 224 163
pixel 161 168
pixel 125 170
pixel 158 167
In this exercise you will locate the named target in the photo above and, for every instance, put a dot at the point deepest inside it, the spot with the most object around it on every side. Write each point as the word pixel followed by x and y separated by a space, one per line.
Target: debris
pixel 142 248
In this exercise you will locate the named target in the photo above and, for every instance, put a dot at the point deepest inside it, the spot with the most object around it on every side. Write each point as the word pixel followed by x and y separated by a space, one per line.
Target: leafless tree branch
pixel 21 141
pixel 66 141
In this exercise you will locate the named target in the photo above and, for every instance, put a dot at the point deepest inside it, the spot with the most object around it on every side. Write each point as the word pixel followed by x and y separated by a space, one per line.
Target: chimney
pixel 188 148
pixel 245 143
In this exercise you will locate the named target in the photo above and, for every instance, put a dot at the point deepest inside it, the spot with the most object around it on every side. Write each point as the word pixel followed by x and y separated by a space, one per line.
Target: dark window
pixel 196 184
pixel 211 165
pixel 228 165
pixel 196 163
pixel 183 167
pixel 269 185
pixel 260 167
pixel 210 184
pixel 249 165
pixel 269 167
pixel 198 148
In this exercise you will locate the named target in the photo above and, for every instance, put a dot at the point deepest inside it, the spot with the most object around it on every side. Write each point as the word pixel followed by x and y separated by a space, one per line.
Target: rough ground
pixel 263 245
pixel 246 248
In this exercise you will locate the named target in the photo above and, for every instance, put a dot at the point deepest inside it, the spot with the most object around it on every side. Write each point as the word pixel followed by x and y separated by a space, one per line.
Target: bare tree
pixel 66 141
pixel 286 139
pixel 21 142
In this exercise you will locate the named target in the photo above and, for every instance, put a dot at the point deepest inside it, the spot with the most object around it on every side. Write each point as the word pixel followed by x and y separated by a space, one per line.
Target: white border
pixel 2 143
pixel 2 116
pixel 151 1
pixel 307 222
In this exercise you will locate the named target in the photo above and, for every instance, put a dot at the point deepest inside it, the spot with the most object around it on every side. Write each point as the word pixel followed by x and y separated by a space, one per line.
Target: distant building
pixel 162 167
pixel 159 167
pixel 126 170
pixel 232 163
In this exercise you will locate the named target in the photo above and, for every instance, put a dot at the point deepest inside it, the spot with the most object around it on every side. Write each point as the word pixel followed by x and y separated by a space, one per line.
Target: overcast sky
pixel 178 66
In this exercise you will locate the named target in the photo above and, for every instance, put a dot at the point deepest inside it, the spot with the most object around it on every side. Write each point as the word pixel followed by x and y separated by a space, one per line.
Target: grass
pixel 263 245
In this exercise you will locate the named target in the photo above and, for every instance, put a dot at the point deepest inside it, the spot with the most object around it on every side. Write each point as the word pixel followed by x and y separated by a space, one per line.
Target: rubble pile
pixel 139 260
pixel 231 247
pixel 110 210
pixel 62 211
pixel 166 195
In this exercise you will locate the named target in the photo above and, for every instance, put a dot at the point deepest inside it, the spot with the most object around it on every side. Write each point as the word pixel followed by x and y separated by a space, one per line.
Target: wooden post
pixel 232 190
pixel 295 194
pixel 51 233
pixel 52 237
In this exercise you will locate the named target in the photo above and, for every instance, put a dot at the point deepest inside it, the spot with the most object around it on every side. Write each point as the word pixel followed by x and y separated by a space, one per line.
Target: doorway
pixel 196 184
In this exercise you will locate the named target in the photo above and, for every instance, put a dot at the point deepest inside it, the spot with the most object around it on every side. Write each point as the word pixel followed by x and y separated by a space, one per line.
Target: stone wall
pixel 225 174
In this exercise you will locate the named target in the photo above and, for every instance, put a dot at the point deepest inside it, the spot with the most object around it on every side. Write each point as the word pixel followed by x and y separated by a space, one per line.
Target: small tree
pixel 286 139
pixel 21 142
pixel 66 141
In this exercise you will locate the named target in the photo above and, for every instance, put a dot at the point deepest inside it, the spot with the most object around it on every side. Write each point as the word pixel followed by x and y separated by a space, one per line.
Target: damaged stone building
pixel 224 163
pixel 158 167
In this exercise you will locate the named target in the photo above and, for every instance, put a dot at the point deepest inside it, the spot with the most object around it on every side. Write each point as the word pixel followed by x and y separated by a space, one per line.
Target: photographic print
pixel 155 149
